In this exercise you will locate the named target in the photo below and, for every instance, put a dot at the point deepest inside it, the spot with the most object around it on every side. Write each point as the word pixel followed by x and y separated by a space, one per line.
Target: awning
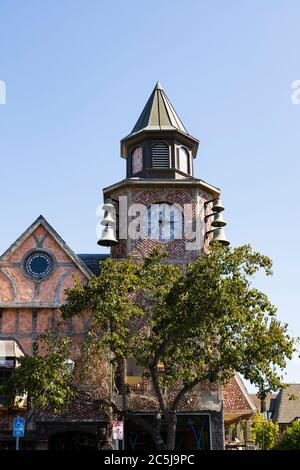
pixel 9 348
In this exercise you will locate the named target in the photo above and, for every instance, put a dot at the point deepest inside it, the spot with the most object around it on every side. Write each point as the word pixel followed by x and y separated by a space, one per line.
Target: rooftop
pixel 287 404
pixel 159 114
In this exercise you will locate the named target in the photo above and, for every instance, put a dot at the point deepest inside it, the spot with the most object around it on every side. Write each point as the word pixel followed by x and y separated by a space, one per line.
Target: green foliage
pixel 218 306
pixel 45 377
pixel 291 438
pixel 264 432
pixel 204 324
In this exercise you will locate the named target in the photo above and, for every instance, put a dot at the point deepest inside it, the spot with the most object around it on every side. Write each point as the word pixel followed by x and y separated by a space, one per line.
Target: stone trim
pixel 31 305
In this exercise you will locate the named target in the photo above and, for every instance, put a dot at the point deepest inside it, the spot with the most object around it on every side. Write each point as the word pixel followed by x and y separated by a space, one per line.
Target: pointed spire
pixel 158 114
pixel 158 120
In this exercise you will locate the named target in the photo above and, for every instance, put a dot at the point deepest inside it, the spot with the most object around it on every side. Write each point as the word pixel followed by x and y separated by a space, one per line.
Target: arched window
pixel 137 160
pixel 160 155
pixel 165 222
pixel 183 158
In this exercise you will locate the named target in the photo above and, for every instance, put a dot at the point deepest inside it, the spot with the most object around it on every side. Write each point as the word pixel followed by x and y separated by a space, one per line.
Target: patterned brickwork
pixel 77 410
pixel 177 249
pixel 143 397
pixel 234 398
pixel 3 421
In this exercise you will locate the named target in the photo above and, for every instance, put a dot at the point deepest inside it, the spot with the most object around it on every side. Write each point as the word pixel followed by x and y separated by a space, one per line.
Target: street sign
pixel 118 430
pixel 19 427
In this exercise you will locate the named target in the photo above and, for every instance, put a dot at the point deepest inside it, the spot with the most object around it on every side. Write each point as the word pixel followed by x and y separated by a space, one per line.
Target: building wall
pixel 177 249
pixel 28 307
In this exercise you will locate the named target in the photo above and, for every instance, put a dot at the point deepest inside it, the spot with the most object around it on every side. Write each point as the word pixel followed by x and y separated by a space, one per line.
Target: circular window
pixel 38 265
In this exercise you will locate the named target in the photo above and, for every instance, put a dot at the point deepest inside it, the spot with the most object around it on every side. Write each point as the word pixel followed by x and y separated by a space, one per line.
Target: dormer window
pixel 183 160
pixel 137 160
pixel 160 155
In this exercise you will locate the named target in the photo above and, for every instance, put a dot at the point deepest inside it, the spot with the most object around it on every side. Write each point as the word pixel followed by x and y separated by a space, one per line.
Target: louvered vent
pixel 160 155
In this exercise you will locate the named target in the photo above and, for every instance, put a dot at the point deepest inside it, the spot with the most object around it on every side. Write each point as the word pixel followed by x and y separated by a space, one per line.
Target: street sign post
pixel 19 429
pixel 118 432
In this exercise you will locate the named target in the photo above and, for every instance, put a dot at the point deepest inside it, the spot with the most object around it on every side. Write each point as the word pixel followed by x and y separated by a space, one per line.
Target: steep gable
pixel 39 245
pixel 237 401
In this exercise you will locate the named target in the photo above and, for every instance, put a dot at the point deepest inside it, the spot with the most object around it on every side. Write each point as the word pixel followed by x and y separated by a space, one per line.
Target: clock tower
pixel 161 200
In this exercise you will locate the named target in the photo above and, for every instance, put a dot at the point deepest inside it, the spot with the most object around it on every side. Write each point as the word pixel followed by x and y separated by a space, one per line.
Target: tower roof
pixel 158 114
pixel 157 117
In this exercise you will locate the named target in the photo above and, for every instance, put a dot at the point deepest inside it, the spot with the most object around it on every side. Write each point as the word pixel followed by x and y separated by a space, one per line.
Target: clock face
pixel 38 265
pixel 165 222
pixel 137 160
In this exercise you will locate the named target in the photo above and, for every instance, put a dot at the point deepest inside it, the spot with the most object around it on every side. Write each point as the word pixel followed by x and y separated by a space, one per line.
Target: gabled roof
pixel 270 401
pixel 42 221
pixel 237 401
pixel 288 404
pixel 158 114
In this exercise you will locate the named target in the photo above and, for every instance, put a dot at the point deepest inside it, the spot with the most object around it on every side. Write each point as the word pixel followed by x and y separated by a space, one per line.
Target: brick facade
pixel 234 398
pixel 29 307
pixel 176 249
pixel 206 398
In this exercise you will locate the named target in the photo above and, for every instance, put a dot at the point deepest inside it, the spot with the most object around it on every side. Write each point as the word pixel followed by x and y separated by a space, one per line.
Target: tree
pixel 264 432
pixel 45 377
pixel 202 325
pixel 291 438
pixel 183 327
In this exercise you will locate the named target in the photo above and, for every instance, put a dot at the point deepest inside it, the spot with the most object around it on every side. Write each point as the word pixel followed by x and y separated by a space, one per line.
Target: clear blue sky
pixel 78 73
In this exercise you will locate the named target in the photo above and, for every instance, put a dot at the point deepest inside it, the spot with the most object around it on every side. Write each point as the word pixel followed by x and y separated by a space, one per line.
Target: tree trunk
pixel 153 430
pixel 171 433
pixel 263 406
pixel 159 443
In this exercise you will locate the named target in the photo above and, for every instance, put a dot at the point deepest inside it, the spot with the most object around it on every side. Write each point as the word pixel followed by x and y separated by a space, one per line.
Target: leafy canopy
pixel 183 325
pixel 264 432
pixel 46 376
pixel 202 324
pixel 291 438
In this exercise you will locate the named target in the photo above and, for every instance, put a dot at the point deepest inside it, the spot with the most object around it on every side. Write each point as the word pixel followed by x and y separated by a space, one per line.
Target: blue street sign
pixel 19 427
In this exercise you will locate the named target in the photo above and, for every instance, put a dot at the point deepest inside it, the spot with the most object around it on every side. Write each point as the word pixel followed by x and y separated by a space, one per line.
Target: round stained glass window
pixel 38 265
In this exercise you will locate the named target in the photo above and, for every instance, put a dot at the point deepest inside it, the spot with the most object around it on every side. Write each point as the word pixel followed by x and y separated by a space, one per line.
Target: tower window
pixel 183 163
pixel 137 160
pixel 160 155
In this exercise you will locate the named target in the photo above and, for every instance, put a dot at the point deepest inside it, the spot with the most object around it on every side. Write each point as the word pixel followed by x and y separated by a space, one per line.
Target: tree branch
pixel 183 392
pixel 156 385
